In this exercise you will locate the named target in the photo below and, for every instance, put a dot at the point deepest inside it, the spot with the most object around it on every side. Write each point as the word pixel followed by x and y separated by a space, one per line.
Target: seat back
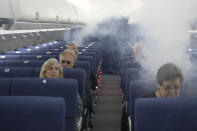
pixel 78 74
pixel 93 58
pixel 131 75
pixel 38 57
pixel 169 114
pixel 87 58
pixel 43 52
pixel 189 87
pixel 22 113
pixel 4 86
pixel 66 88
pixel 123 70
pixel 32 63
pixel 139 89
pixel 17 53
pixel 84 65
pixel 11 72
pixel 10 57
pixel 2 63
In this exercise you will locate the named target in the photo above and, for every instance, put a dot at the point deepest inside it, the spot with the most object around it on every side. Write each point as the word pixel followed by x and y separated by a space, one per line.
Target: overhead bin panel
pixel 5 10
pixel 46 11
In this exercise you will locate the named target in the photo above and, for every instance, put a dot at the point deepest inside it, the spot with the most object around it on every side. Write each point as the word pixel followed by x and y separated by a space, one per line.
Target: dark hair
pixel 168 71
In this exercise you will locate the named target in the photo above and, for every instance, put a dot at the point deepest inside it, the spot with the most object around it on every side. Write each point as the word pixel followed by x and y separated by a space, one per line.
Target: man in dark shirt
pixel 67 60
pixel 169 79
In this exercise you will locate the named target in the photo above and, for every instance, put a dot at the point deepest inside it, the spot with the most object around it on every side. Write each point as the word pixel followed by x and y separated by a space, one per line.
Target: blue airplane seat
pixel 39 57
pixel 169 114
pixel 87 58
pixel 79 75
pixel 32 113
pixel 28 49
pixel 93 54
pixel 36 72
pixel 32 63
pixel 2 63
pixel 35 47
pixel 22 113
pixel 66 88
pixel 189 86
pixel 11 72
pixel 45 52
pixel 131 75
pixel 123 70
pixel 17 52
pixel 84 65
pixel 10 57
pixel 127 58
pixel 4 86
pixel 98 54
pixel 52 49
pixel 139 89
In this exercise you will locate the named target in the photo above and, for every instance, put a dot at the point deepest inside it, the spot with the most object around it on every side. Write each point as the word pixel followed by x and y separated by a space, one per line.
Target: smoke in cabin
pixel 164 23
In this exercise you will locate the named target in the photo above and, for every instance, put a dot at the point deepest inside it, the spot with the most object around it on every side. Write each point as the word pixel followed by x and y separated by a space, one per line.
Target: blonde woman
pixel 51 69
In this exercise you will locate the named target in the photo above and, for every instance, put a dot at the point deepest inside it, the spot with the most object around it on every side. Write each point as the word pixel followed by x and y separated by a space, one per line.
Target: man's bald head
pixel 73 46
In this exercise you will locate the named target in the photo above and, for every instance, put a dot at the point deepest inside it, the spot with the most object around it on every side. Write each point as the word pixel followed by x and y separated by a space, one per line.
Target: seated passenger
pixel 67 59
pixel 169 78
pixel 73 46
pixel 137 50
pixel 52 69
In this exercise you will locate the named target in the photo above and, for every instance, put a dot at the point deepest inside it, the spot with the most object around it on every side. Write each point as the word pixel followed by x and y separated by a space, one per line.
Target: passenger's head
pixel 169 78
pixel 73 46
pixel 137 49
pixel 51 69
pixel 67 58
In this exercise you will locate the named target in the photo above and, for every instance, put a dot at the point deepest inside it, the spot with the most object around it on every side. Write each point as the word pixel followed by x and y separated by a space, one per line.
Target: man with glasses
pixel 67 59
pixel 169 78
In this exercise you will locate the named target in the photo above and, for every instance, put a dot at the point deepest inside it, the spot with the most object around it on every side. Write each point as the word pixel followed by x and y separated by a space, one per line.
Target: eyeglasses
pixel 67 62
pixel 176 87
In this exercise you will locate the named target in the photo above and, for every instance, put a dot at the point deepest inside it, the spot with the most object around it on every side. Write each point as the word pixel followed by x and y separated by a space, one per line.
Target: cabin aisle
pixel 108 110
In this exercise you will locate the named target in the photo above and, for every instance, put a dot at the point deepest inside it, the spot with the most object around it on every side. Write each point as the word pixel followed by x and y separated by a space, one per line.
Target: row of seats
pixel 151 113
pixel 21 63
pixel 87 55
pixel 65 88
pixel 37 60
pixel 32 113
pixel 177 114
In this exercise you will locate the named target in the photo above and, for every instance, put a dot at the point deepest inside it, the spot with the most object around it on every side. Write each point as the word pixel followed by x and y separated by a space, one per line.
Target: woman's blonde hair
pixel 47 65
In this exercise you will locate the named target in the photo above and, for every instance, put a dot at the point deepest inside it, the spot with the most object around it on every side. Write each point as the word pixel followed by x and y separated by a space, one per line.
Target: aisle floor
pixel 108 109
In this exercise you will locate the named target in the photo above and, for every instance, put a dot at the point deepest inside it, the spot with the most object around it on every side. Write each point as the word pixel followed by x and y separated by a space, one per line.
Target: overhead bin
pixel 47 13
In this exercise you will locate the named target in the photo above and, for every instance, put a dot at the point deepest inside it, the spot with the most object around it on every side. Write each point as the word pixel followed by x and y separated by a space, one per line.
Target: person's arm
pixel 79 104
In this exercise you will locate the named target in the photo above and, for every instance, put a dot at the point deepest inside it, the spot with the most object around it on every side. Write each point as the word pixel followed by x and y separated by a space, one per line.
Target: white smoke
pixel 97 11
pixel 166 25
